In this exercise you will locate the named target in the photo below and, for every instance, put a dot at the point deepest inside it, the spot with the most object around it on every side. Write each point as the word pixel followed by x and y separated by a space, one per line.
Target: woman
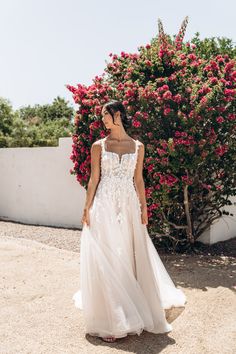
pixel 124 287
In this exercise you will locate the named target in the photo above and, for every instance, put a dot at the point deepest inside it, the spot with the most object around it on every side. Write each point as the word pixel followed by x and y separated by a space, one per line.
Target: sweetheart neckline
pixel 127 153
pixel 120 159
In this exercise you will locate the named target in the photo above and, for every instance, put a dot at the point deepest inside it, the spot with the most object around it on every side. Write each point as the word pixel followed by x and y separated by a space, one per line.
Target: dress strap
pixel 102 144
pixel 137 144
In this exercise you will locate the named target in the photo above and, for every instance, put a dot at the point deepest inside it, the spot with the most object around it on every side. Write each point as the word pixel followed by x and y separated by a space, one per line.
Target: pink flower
pixel 148 63
pixel 213 80
pixel 232 116
pixel 167 95
pixel 167 111
pixel 177 133
pixel 221 150
pixel 206 186
pixel 150 168
pixel 219 187
pixel 188 89
pixel 161 53
pixel 171 180
pixel 229 92
pixel 233 74
pixel 161 151
pixel 229 66
pixel 203 101
pixel 156 174
pixel 192 56
pixel 162 180
pixel 165 87
pixel 72 157
pixel 164 144
pixel 154 206
pixel 136 123
pixel 177 98
pixel 220 119
pixel 205 89
pixel 148 191
pixel 184 134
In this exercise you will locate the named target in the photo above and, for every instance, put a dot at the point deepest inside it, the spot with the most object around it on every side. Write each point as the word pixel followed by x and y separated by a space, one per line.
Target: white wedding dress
pixel 124 286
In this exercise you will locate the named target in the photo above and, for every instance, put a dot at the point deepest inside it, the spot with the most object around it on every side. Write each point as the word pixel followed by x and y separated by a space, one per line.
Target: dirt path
pixel 38 315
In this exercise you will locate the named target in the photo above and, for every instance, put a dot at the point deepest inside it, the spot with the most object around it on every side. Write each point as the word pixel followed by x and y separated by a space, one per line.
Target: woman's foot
pixel 109 339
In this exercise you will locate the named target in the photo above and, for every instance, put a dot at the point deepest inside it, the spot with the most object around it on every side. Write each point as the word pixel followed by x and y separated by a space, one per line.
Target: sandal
pixel 108 339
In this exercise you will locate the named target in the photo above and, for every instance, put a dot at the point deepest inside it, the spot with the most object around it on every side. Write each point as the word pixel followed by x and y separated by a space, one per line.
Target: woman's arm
pixel 94 175
pixel 138 177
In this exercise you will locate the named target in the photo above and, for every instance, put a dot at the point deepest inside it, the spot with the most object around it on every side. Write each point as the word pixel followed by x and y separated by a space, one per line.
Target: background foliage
pixel 181 99
pixel 40 125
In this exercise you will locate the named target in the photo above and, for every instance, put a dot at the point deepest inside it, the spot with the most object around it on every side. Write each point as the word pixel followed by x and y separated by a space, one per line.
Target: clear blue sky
pixel 49 43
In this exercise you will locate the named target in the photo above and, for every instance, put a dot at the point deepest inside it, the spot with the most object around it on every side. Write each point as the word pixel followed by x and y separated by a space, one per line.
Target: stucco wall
pixel 37 188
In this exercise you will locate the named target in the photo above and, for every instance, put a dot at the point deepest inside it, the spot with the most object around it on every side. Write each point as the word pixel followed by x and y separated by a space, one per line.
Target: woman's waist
pixel 117 177
pixel 116 182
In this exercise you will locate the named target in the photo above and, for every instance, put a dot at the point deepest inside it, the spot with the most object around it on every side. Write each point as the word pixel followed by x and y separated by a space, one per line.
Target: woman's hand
pixel 85 217
pixel 144 215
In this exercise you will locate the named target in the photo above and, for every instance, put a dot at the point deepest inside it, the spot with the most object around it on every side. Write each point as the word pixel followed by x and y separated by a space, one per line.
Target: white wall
pixel 223 228
pixel 36 187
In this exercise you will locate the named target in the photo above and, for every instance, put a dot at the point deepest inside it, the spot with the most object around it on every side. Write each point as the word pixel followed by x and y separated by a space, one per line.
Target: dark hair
pixel 114 106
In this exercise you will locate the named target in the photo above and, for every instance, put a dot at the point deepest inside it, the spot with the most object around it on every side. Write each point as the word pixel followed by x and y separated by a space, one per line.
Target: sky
pixel 48 44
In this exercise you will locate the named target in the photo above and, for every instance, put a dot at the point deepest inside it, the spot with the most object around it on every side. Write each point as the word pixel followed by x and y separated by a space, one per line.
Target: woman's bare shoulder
pixel 96 146
pixel 97 142
pixel 140 142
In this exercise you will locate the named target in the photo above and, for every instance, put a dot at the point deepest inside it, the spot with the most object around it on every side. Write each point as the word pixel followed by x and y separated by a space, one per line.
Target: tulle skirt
pixel 124 285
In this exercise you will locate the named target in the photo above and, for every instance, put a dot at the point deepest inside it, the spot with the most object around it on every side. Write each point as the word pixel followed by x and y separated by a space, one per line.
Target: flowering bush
pixel 182 105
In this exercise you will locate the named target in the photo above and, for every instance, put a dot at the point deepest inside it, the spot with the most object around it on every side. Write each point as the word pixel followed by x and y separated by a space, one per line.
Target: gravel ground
pixel 39 270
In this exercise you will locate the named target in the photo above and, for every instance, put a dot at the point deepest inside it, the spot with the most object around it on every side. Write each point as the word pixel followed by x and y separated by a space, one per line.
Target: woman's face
pixel 106 118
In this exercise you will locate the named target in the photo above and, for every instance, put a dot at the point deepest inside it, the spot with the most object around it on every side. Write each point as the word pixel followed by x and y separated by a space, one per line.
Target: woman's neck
pixel 118 136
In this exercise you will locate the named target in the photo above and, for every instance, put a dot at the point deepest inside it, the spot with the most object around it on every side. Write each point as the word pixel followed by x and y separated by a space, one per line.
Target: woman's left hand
pixel 144 215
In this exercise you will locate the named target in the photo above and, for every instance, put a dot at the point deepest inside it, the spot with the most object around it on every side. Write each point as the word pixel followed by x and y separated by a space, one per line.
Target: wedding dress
pixel 124 286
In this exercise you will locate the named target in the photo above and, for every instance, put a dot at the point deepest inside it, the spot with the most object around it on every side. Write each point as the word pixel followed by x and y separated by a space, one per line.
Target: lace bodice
pixel 116 182
pixel 114 165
